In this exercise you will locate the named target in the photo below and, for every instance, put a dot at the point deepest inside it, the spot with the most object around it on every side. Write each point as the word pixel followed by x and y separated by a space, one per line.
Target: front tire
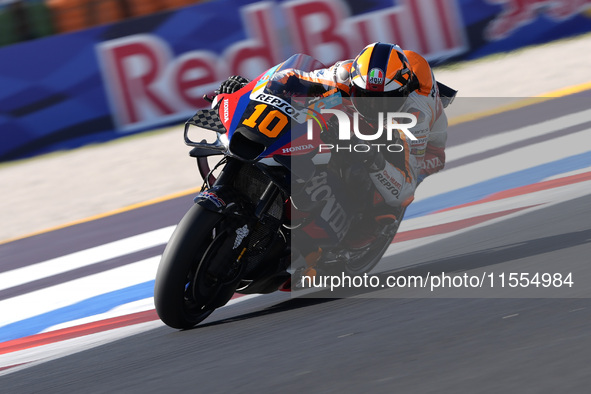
pixel 185 292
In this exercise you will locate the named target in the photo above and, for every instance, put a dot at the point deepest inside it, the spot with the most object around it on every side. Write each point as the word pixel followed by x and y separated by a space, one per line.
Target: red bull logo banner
pixel 145 73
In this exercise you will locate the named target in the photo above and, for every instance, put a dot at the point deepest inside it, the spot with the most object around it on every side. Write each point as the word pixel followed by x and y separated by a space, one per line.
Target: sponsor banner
pixel 95 85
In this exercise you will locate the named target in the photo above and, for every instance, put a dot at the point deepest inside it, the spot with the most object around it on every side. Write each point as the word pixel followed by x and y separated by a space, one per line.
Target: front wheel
pixel 197 273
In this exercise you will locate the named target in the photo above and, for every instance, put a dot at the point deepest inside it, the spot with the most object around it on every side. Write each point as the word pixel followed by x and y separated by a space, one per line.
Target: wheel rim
pixel 202 288
pixel 367 260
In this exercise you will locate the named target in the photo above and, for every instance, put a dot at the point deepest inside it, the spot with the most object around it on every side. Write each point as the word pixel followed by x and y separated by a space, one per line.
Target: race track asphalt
pixel 388 340
pixel 276 344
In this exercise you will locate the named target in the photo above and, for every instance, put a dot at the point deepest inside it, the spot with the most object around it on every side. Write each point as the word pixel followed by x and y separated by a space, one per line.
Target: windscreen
pixel 286 81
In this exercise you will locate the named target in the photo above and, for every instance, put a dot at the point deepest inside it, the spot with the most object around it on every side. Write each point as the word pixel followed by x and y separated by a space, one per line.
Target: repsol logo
pixel 391 185
pixel 276 102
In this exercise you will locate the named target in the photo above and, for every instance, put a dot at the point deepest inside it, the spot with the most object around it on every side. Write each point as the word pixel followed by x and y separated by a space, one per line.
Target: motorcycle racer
pixel 382 78
pixel 386 71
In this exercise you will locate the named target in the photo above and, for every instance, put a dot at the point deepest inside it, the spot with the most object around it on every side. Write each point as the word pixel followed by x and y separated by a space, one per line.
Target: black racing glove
pixel 331 134
pixel 233 84
pixel 372 159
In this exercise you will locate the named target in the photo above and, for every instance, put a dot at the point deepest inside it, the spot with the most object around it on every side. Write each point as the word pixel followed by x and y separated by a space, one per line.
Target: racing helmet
pixel 381 79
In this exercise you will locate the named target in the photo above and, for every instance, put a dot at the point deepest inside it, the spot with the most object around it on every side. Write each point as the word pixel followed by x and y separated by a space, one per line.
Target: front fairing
pixel 269 117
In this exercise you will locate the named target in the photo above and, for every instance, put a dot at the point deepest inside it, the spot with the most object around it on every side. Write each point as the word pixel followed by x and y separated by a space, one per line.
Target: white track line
pixel 85 257
pixel 55 297
pixel 497 140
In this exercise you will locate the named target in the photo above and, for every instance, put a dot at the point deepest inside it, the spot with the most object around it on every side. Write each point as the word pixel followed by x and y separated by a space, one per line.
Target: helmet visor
pixel 370 104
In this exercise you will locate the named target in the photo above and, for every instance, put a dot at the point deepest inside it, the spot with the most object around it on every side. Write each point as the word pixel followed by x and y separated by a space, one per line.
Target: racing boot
pixel 303 267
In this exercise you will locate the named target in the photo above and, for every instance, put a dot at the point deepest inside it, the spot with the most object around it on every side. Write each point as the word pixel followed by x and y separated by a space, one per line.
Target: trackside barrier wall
pixel 68 90
pixel 24 20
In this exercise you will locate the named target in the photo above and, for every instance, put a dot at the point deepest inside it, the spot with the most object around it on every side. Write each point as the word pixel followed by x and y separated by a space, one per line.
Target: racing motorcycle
pixel 237 237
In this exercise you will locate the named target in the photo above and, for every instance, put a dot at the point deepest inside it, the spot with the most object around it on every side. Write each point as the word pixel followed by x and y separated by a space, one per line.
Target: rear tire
pixel 367 261
pixel 184 293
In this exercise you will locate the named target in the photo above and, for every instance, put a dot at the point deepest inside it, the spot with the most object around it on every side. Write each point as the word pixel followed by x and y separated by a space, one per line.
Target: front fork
pixel 222 197
pixel 245 213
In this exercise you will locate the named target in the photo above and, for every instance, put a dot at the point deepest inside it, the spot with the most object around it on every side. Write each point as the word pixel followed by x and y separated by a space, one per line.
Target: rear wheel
pixel 198 271
pixel 364 260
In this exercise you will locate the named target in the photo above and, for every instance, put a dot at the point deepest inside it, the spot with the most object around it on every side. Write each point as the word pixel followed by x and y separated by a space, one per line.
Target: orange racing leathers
pixel 424 156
